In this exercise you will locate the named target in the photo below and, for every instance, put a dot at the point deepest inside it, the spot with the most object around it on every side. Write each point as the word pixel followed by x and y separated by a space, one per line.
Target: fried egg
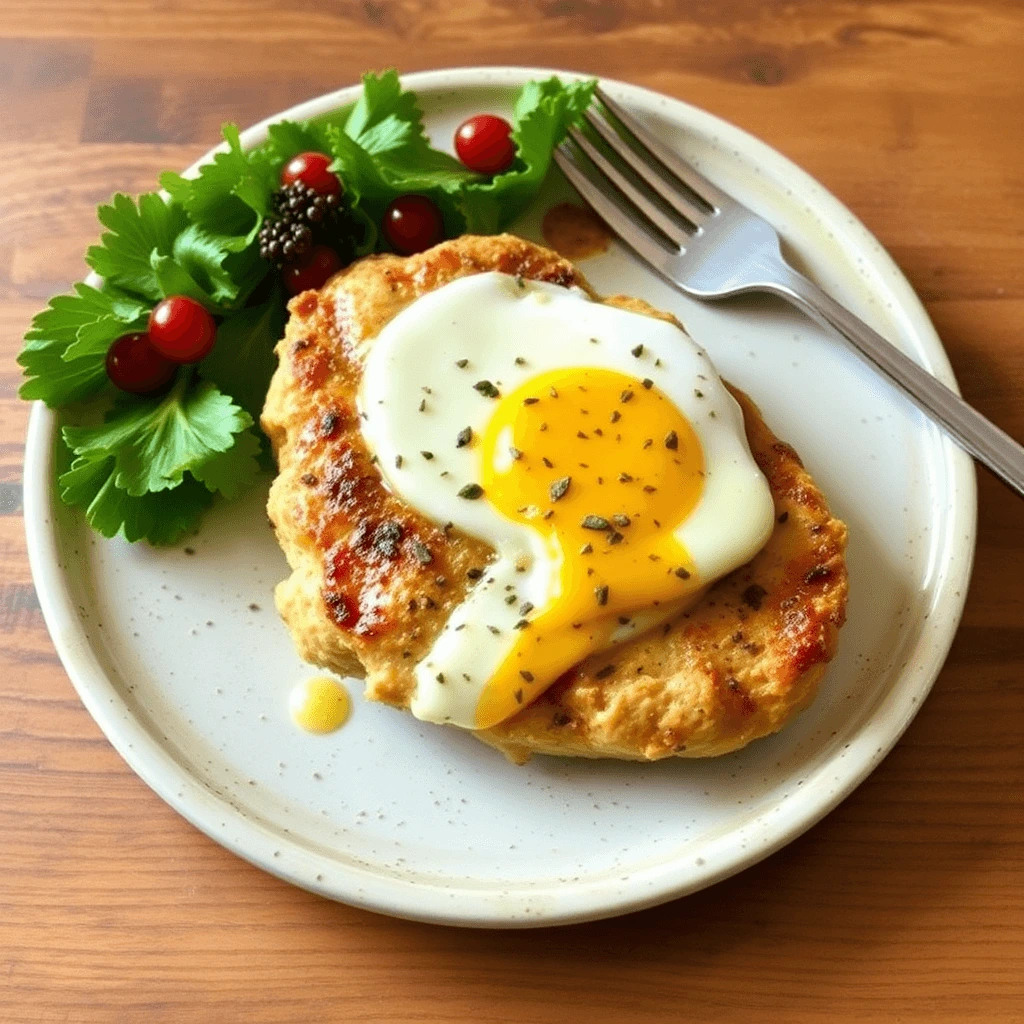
pixel 594 449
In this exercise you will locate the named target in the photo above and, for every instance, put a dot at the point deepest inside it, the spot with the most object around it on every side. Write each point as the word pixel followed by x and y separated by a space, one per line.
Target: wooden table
pixel 905 904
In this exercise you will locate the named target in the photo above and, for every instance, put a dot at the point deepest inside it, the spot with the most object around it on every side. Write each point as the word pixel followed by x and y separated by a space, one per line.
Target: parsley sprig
pixel 147 467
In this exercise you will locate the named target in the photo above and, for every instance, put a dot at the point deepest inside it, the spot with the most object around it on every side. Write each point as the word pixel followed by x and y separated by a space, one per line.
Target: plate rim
pixel 586 901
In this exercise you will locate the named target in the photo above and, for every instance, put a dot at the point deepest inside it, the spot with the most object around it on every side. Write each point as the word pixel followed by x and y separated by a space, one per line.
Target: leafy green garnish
pixel 230 472
pixel 221 277
pixel 387 123
pixel 154 444
pixel 135 233
pixel 542 116
pixel 151 465
pixel 66 348
pixel 159 518
pixel 383 99
pixel 381 151
pixel 152 250
pixel 242 362
pixel 231 195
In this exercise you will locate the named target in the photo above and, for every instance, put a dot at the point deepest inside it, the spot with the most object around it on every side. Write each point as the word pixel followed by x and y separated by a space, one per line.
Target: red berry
pixel 135 366
pixel 312 270
pixel 311 170
pixel 484 144
pixel 412 223
pixel 181 329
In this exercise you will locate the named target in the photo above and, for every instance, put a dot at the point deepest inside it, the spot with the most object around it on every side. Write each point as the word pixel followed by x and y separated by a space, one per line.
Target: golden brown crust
pixel 374 581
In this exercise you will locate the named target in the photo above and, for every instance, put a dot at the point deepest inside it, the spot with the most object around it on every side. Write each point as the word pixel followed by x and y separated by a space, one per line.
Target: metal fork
pixel 711 246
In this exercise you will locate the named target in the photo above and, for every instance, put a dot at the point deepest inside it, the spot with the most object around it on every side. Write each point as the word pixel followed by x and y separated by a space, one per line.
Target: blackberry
pixel 301 218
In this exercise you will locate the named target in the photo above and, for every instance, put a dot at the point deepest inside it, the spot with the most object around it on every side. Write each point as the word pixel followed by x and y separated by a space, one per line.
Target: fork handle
pixel 992 447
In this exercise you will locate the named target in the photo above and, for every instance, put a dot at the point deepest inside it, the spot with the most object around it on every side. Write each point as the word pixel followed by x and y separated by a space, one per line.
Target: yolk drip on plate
pixel 605 468
pixel 319 704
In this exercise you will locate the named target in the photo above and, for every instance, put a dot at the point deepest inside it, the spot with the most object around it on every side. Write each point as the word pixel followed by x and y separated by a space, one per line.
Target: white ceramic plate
pixel 184 664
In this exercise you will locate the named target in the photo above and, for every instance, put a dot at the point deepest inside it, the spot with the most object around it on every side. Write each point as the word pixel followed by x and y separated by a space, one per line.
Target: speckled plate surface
pixel 184 664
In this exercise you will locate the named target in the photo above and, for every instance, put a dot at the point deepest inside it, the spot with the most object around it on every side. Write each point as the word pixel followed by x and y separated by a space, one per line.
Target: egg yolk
pixel 319 704
pixel 605 468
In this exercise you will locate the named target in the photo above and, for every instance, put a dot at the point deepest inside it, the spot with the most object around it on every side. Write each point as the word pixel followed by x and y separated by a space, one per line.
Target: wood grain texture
pixel 905 904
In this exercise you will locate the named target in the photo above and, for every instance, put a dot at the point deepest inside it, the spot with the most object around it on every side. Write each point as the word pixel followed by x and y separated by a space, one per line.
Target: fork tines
pixel 633 164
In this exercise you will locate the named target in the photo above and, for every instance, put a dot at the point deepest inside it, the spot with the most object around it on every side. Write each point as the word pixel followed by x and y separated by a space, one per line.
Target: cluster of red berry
pixel 182 331
pixel 484 144
pixel 412 223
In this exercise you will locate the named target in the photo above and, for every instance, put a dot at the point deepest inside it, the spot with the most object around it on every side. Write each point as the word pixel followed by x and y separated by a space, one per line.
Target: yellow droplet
pixel 319 704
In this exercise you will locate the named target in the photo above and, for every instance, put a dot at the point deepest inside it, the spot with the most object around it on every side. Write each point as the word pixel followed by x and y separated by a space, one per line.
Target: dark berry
pixel 412 223
pixel 133 365
pixel 311 271
pixel 484 144
pixel 311 169
pixel 301 218
pixel 181 329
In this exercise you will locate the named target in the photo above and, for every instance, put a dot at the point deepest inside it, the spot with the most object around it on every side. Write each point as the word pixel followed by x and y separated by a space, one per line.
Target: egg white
pixel 415 398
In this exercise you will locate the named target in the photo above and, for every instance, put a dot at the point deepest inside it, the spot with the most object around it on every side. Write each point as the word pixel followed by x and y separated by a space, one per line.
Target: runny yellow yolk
pixel 605 469
pixel 320 704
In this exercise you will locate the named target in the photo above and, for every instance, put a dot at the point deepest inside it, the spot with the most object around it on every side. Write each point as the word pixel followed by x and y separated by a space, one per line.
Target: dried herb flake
pixel 560 487
pixel 386 537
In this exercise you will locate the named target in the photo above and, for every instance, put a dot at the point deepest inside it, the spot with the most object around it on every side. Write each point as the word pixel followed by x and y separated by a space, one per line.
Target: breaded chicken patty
pixel 374 581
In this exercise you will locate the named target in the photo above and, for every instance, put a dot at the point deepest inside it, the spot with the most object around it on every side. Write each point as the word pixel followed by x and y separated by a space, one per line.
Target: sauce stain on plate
pixel 320 705
pixel 575 232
